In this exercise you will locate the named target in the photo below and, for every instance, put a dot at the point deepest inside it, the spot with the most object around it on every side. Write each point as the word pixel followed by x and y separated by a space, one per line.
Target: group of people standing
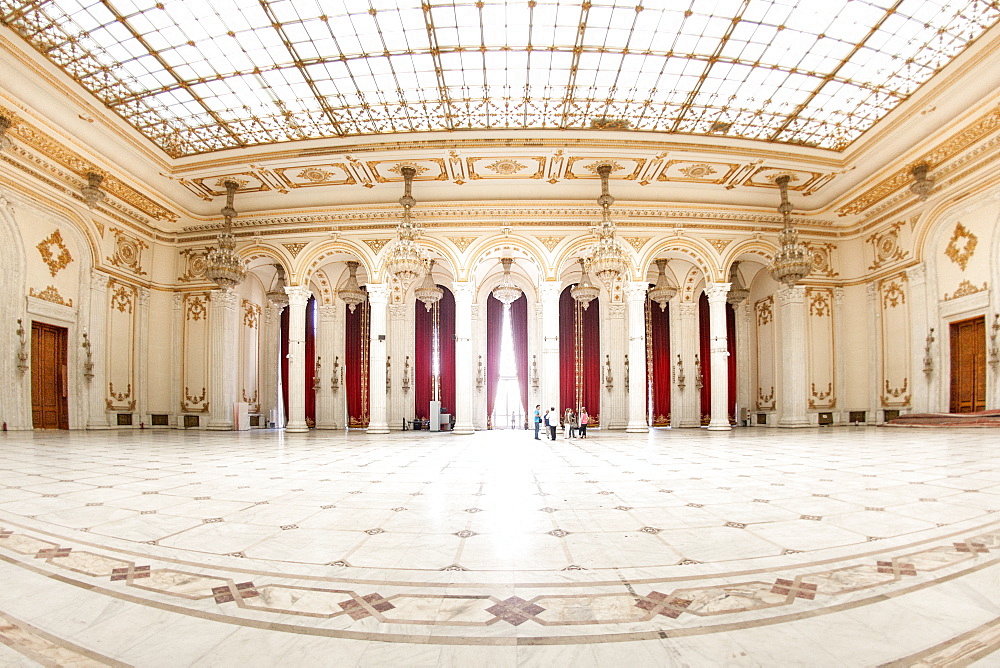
pixel 572 422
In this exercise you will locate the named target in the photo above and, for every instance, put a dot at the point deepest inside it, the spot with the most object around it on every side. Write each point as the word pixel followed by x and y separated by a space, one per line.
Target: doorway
pixel 968 365
pixel 49 377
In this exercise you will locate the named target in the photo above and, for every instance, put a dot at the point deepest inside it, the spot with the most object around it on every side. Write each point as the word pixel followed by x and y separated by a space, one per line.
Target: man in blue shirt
pixel 538 420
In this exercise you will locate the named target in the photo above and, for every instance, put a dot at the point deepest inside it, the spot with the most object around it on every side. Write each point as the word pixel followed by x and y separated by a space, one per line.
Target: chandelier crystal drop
pixel 5 142
pixel 405 260
pixel 921 186
pixel 428 292
pixel 664 290
pixel 277 295
pixel 92 193
pixel 584 291
pixel 223 265
pixel 507 291
pixel 607 259
pixel 351 293
pixel 737 293
pixel 792 262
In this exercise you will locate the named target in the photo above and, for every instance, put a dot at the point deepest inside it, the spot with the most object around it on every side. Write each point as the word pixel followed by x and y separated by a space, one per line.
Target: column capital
pixel 917 273
pixel 871 291
pixel 687 309
pixel 791 295
pixel 636 291
pixel 98 280
pixel 550 290
pixel 328 313
pixel 717 292
pixel 463 290
pixel 225 298
pixel 298 295
pixel 378 293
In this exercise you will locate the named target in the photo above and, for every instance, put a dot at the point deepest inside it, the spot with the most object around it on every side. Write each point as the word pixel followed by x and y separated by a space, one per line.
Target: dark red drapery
pixel 446 330
pixel 579 356
pixel 590 394
pixel 659 362
pixel 423 372
pixel 310 361
pixel 494 334
pixel 567 352
pixel 519 331
pixel 705 355
pixel 731 341
pixel 356 344
pixel 284 364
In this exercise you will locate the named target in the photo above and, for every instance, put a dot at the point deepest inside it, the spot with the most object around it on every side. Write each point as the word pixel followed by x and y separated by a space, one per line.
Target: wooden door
pixel 49 386
pixel 968 365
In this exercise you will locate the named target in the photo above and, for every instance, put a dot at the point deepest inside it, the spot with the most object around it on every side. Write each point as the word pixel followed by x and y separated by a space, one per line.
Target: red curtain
pixel 357 342
pixel 590 383
pixel 705 355
pixel 494 333
pixel 311 361
pixel 731 341
pixel 579 356
pixel 446 330
pixel 423 372
pixel 519 330
pixel 284 363
pixel 567 352
pixel 659 362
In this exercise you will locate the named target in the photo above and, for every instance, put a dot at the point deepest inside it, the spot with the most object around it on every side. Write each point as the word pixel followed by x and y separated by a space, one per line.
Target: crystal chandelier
pixel 223 265
pixel 584 291
pixel 92 193
pixel 277 295
pixel 428 292
pixel 921 186
pixel 351 293
pixel 607 259
pixel 404 260
pixel 737 293
pixel 792 263
pixel 5 124
pixel 507 292
pixel 664 290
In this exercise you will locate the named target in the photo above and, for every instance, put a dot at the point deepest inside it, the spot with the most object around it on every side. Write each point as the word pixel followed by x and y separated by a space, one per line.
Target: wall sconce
pixel 335 383
pixel 88 364
pixel 479 374
pixel 698 381
pixel 406 375
pixel 680 373
pixel 319 365
pixel 626 373
pixel 608 379
pixel 388 373
pixel 534 371
pixel 22 355
pixel 994 350
pixel 928 360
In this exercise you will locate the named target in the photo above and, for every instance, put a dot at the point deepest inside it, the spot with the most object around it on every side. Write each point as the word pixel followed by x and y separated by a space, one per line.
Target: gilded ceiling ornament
pixel 550 242
pixel 699 171
pixel 295 248
pixel 54 252
pixel 314 174
pixel 965 288
pixel 505 167
pixel 376 244
pixel 221 182
pixel 398 168
pixel 961 247
pixel 636 242
pixel 462 242
pixel 720 244
pixel 50 294
pixel 593 167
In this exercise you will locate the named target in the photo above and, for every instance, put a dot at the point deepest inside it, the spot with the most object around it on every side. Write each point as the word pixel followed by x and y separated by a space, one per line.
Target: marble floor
pixel 849 546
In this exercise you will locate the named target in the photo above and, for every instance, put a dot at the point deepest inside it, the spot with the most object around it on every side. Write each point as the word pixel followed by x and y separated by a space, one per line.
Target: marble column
pixel 465 374
pixel 378 297
pixel 223 358
pixel 614 347
pixel 916 276
pixel 635 293
pixel 792 345
pixel 684 344
pixel 719 351
pixel 270 365
pixel 874 341
pixel 550 291
pixel 399 348
pixel 142 357
pixel 97 416
pixel 744 354
pixel 298 297
pixel 325 347
pixel 839 355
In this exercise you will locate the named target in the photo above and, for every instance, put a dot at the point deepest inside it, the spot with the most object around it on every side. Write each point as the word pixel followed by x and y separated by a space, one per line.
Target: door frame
pixel 948 362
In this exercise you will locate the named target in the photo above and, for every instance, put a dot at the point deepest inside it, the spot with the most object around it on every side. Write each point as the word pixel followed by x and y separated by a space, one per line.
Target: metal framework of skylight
pixel 196 77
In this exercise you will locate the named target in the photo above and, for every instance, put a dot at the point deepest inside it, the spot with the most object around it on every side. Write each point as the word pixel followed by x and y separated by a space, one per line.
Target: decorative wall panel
pixel 764 318
pixel 122 389
pixel 819 323
pixel 194 372
pixel 895 388
pixel 250 354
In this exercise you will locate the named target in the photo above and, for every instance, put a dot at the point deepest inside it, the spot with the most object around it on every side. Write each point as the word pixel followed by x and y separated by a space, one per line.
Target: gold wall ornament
pixel 5 141
pixel 252 401
pixel 122 297
pixel 764 309
pixel 897 392
pixel 720 244
pixel 50 294
pixel 461 242
pixel 190 403
pixel 128 252
pixel 893 294
pixel 636 242
pixel 506 167
pixel 22 353
pixel 534 371
pixel 479 374
pixel 251 314
pixel 550 242
pixel 194 264
pixel 886 245
pixel 822 258
pixel 964 289
pixel 819 302
pixel 765 401
pixel 197 307
pixel 295 248
pixel 962 246
pixel 376 244
pixel 54 252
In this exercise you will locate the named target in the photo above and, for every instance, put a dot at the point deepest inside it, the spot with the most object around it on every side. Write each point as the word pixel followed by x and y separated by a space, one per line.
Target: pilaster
pixel 464 372
pixel 839 354
pixel 635 293
pixel 874 345
pixel 97 417
pixel 719 350
pixel 614 404
pixel 298 297
pixel 142 345
pixel 378 297
pixel 916 277
pixel 550 291
pixel 794 375
pixel 325 346
pixel 399 402
pixel 223 374
pixel 684 346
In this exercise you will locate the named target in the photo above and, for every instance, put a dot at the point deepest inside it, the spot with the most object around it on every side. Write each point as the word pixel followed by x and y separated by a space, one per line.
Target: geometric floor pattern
pixel 834 546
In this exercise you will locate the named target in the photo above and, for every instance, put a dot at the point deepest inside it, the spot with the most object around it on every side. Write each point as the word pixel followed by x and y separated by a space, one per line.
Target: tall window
pixel 507 411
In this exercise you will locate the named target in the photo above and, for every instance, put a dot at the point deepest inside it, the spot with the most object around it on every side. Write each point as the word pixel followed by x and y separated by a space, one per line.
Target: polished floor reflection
pixel 843 546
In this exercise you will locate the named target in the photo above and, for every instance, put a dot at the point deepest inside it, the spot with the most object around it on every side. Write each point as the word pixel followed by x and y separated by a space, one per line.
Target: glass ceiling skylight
pixel 205 76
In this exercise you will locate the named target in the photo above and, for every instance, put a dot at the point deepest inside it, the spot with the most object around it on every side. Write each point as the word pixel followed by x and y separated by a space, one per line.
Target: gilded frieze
pixel 50 294
pixel 962 246
pixel 965 288
pixel 505 168
pixel 128 252
pixel 54 252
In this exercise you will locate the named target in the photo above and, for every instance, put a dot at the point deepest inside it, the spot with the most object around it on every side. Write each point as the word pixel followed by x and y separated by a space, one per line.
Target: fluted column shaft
pixel 550 344
pixel 298 297
pixel 378 297
pixel 464 373
pixel 142 359
pixel 916 276
pixel 793 356
pixel 637 395
pixel 97 416
pixel 270 365
pixel 874 345
pixel 223 357
pixel 325 342
pixel 719 349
